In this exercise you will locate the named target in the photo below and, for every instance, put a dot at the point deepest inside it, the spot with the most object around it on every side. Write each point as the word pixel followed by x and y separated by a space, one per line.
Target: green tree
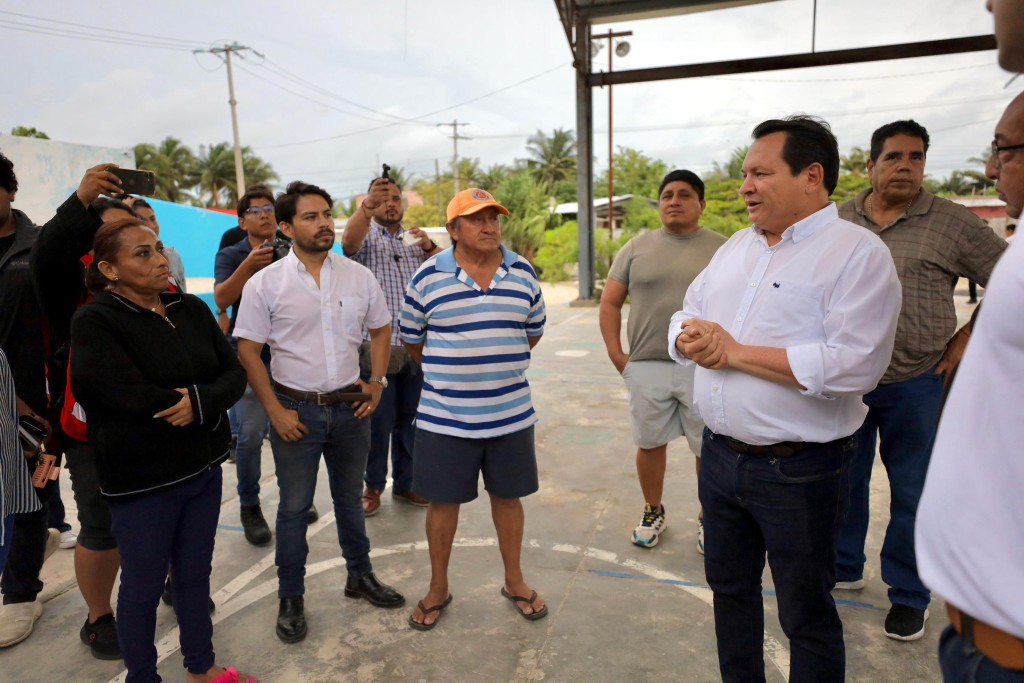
pixel 174 165
pixel 856 162
pixel 559 252
pixel 733 168
pixel 216 173
pixel 257 172
pixel 526 199
pixel 635 173
pixel 552 159
pixel 494 175
pixel 26 132
pixel 402 178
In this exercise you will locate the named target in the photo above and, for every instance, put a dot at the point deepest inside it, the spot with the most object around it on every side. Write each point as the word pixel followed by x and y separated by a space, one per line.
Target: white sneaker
pixel 52 543
pixel 650 527
pixel 849 585
pixel 16 621
pixel 700 536
pixel 68 539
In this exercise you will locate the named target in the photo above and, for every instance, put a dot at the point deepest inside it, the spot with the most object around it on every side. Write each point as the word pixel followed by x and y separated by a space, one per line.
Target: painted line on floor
pixel 243 591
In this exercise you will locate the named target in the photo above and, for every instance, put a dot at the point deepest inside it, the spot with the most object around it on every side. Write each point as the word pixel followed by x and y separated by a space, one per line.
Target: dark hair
pixel 909 127
pixel 284 207
pixel 252 193
pixel 809 140
pixel 388 179
pixel 8 180
pixel 683 176
pixel 103 204
pixel 142 204
pixel 105 246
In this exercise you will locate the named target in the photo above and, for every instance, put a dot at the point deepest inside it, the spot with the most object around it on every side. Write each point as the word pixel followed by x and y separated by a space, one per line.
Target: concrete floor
pixel 618 612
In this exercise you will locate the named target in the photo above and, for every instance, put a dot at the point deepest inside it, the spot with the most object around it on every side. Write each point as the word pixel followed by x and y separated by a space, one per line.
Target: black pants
pixel 20 582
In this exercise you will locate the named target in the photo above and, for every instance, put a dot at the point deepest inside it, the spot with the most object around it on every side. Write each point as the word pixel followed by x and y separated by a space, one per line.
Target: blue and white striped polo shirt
pixel 476 348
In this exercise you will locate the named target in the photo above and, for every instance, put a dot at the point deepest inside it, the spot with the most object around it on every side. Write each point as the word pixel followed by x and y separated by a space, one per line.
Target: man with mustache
pixel 310 307
pixel 933 243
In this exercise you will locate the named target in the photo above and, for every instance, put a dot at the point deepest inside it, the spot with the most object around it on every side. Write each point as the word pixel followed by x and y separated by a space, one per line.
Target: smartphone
pixel 385 170
pixel 136 182
pixel 31 433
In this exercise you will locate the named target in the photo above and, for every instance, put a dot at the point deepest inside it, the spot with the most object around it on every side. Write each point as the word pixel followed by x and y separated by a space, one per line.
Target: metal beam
pixel 607 11
pixel 584 164
pixel 801 61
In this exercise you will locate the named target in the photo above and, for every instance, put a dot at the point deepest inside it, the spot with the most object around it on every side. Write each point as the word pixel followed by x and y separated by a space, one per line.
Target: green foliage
pixel 556 259
pixel 552 158
pixel 174 164
pixel 849 186
pixel 640 216
pixel 27 132
pixel 732 169
pixel 526 199
pixel 635 173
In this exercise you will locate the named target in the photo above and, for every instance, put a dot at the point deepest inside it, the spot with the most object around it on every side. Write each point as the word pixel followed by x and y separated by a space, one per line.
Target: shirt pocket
pixel 353 313
pixel 792 312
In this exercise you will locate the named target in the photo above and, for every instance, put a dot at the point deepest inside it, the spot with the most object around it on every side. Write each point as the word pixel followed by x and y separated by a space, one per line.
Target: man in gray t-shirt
pixel 655 269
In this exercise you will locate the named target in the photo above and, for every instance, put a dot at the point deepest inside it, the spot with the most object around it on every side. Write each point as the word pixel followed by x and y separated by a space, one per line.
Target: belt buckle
pixel 320 399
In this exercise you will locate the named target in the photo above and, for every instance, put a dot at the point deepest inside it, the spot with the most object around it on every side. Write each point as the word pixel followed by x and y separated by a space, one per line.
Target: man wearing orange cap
pixel 471 315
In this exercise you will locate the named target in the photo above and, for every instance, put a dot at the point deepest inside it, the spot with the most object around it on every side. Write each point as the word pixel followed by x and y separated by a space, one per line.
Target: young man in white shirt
pixel 310 308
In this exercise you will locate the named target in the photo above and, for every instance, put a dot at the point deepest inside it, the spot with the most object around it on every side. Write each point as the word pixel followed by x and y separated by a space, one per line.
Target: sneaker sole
pixel 645 544
pixel 912 636
pixel 849 585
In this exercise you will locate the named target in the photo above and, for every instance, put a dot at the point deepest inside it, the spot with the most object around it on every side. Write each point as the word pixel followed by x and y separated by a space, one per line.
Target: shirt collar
pixel 803 229
pixel 445 261
pixel 298 266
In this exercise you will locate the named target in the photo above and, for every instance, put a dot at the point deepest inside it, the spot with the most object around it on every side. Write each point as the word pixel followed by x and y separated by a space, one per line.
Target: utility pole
pixel 455 140
pixel 226 50
pixel 622 49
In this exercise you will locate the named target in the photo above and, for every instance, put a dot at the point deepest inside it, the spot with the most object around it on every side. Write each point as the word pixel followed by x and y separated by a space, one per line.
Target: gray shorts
pixel 446 469
pixel 661 403
pixel 93 513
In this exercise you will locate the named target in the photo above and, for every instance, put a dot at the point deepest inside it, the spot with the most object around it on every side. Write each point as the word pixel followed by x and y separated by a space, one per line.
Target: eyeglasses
pixel 996 149
pixel 266 208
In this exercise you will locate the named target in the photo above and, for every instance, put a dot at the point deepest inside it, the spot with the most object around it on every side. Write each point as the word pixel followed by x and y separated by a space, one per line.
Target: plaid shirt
pixel 393 264
pixel 933 243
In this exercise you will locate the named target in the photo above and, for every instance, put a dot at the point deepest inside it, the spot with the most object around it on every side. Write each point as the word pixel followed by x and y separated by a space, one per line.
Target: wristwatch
pixel 382 381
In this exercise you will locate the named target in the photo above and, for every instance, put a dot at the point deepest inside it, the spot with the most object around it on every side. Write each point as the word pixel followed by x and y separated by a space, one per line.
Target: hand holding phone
pixel 136 182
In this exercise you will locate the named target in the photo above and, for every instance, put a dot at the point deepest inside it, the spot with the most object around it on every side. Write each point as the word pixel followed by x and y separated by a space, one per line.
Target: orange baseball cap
pixel 470 201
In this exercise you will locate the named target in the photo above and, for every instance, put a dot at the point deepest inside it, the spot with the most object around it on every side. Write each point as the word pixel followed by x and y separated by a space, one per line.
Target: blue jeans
pixel 253 424
pixel 962 663
pixel 790 509
pixel 905 415
pixel 392 428
pixel 55 512
pixel 173 527
pixel 343 439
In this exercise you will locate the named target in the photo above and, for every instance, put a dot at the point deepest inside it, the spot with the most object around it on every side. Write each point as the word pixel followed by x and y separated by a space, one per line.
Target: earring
pixel 114 278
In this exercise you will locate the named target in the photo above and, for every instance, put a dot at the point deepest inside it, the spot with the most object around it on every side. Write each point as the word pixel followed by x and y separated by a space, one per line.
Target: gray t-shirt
pixel 657 267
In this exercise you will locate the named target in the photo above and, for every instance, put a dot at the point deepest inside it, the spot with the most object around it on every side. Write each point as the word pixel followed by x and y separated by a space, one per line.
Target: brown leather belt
pixel 783 449
pixel 350 394
pixel 1005 650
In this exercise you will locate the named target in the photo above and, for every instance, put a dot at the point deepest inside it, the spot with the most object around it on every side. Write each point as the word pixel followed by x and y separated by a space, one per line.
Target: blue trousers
pixel 393 429
pixel 962 663
pixel 252 424
pixel 5 547
pixel 175 527
pixel 789 509
pixel 905 416
pixel 343 440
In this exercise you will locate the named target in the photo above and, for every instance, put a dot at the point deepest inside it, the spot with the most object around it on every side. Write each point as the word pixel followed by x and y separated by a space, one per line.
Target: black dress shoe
pixel 291 620
pixel 378 594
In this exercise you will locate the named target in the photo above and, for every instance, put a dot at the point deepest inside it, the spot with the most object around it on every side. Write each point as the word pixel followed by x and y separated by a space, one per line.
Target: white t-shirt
pixel 313 332
pixel 970 522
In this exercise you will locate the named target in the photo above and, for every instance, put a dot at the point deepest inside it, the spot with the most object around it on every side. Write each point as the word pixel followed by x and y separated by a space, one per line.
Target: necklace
pixel 871 203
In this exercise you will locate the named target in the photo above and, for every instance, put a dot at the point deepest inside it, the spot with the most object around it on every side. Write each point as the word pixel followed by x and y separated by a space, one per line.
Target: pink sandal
pixel 230 675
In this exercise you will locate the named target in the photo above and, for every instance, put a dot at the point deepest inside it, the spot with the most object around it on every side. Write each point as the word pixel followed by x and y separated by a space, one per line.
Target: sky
pixel 339 87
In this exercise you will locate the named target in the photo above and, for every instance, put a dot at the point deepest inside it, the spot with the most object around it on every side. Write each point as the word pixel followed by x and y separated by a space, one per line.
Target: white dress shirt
pixel 828 293
pixel 313 332
pixel 970 522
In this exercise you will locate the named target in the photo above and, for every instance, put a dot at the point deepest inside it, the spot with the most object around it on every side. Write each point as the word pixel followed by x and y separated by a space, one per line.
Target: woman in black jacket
pixel 155 375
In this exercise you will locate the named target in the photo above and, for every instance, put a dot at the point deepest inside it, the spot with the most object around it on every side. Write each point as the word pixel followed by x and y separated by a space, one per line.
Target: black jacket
pixel 126 363
pixel 21 321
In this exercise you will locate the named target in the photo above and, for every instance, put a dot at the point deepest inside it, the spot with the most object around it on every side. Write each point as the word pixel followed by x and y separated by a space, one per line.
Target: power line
pixel 61 33
pixel 103 29
pixel 416 118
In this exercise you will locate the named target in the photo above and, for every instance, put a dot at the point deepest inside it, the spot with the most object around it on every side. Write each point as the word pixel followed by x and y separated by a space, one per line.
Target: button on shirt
pixel 828 293
pixel 393 263
pixel 313 332
pixel 970 523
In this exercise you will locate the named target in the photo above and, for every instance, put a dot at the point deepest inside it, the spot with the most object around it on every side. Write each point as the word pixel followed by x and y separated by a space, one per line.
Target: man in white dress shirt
pixel 790 325
pixel 310 308
pixel 970 522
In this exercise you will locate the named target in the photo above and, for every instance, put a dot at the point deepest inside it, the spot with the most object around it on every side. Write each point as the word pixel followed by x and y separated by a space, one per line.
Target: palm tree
pixel 494 175
pixel 257 172
pixel 470 173
pixel 174 165
pixel 855 162
pixel 552 159
pixel 216 167
pixel 733 169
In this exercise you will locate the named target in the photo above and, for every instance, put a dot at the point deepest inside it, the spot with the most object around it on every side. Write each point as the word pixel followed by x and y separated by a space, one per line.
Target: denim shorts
pixel 446 469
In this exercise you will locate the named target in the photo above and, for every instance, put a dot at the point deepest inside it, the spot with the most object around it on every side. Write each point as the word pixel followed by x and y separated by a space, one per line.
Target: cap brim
pixel 480 207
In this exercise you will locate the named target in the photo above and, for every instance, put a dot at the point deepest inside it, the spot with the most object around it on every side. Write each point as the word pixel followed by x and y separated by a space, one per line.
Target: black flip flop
pixel 532 616
pixel 427 610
